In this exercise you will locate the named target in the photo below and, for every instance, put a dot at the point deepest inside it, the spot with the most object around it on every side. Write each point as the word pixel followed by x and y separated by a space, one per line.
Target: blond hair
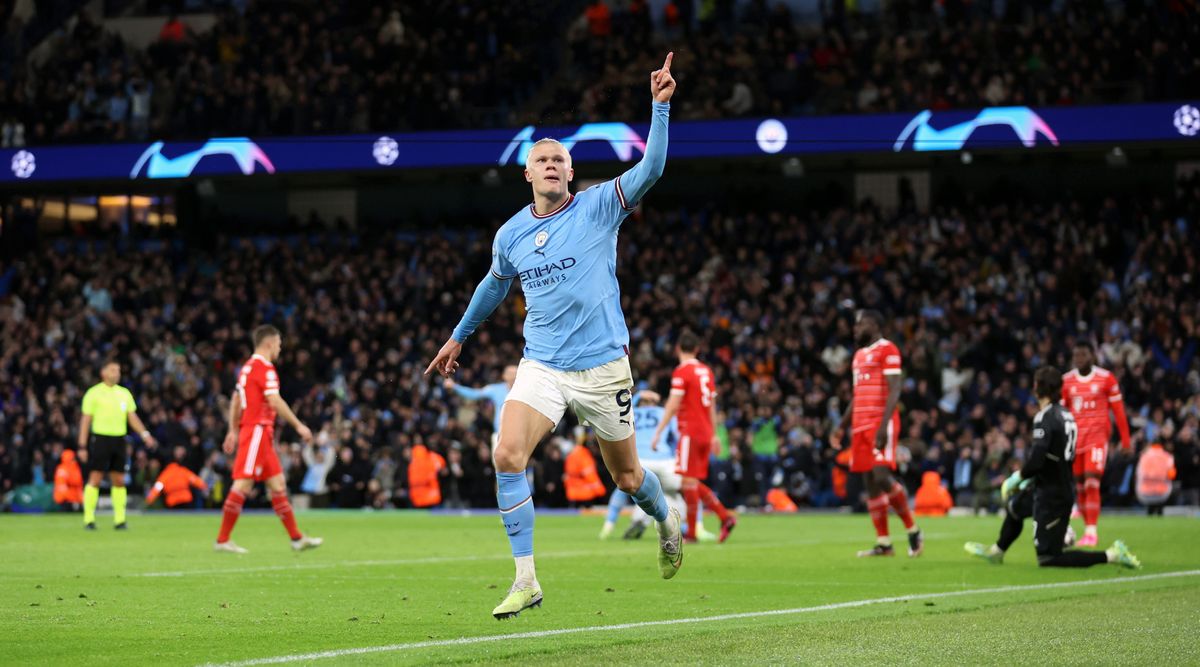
pixel 547 140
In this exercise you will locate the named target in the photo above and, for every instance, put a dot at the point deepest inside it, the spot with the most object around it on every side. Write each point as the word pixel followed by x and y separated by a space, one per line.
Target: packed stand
pixel 295 68
pixel 757 58
pixel 976 297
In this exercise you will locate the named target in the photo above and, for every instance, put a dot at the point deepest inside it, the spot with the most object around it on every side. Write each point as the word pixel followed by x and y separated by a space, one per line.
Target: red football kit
pixel 1089 398
pixel 256 457
pixel 872 365
pixel 694 382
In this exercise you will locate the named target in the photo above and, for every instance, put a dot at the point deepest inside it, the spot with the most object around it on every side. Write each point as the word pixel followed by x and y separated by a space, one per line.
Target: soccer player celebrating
pixel 1048 470
pixel 252 413
pixel 108 410
pixel 563 250
pixel 647 416
pixel 875 429
pixel 692 399
pixel 1089 392
pixel 494 393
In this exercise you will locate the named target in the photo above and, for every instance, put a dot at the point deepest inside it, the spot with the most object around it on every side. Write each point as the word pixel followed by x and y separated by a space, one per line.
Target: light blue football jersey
pixel 566 264
pixel 645 422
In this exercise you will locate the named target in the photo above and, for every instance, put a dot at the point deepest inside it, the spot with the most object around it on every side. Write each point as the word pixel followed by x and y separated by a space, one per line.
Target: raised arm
pixel 634 184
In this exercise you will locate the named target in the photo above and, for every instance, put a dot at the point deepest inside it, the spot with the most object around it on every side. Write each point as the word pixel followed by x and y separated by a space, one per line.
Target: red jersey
pixel 256 382
pixel 1089 398
pixel 871 366
pixel 694 382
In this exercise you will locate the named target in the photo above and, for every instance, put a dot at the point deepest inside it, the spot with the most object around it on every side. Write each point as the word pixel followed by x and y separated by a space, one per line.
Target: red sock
pixel 878 508
pixel 283 509
pixel 233 509
pixel 899 501
pixel 1080 497
pixel 1091 502
pixel 692 498
pixel 710 501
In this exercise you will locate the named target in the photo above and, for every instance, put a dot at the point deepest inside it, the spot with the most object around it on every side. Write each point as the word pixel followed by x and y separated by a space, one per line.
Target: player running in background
pixel 647 415
pixel 563 250
pixel 693 399
pixel 252 413
pixel 875 429
pixel 1089 392
pixel 495 393
pixel 1048 471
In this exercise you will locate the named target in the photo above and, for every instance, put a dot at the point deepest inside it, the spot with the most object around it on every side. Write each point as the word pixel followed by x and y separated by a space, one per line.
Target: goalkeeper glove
pixel 1012 485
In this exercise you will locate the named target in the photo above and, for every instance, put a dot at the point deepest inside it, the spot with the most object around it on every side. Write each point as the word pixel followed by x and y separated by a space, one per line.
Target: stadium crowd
pixel 304 67
pixel 976 296
pixel 759 59
pixel 310 67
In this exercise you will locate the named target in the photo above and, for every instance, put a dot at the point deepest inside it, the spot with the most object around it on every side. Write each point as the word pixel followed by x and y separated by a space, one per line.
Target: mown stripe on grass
pixel 463 641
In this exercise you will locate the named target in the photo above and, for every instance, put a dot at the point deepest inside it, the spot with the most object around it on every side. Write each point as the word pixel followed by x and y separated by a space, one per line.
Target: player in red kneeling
pixel 692 399
pixel 1089 392
pixel 252 428
pixel 875 429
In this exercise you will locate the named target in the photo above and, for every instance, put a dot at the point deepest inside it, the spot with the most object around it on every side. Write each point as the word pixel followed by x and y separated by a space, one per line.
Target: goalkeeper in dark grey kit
pixel 1044 488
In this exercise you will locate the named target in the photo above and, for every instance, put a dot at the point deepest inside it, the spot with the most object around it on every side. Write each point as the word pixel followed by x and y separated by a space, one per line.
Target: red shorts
pixel 863 454
pixel 1091 461
pixel 691 456
pixel 256 457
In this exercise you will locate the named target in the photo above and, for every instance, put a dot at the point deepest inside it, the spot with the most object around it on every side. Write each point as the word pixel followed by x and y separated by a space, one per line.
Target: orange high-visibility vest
pixel 582 480
pixel 68 480
pixel 932 498
pixel 780 501
pixel 1155 470
pixel 839 476
pixel 424 489
pixel 176 482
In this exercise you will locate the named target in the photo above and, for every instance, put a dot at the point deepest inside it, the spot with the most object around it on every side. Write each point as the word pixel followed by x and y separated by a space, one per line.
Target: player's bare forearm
pixel 235 413
pixel 845 418
pixel 285 410
pixel 136 422
pixel 669 412
pixel 894 385
pixel 85 427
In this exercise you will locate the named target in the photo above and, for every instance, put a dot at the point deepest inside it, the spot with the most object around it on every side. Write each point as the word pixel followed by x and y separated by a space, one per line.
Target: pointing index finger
pixel 667 63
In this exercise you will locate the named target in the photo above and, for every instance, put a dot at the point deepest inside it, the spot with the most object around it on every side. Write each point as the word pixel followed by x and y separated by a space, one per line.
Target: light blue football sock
pixel 516 511
pixel 616 503
pixel 650 497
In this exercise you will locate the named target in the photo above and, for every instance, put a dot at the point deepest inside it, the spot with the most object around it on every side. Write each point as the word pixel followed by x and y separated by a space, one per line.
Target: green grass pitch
pixel 411 582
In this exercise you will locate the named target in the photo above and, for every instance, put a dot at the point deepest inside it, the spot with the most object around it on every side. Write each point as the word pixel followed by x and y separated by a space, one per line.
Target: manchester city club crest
pixel 541 238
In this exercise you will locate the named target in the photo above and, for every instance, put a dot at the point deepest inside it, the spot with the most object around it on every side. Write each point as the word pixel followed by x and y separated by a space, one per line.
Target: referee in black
pixel 108 411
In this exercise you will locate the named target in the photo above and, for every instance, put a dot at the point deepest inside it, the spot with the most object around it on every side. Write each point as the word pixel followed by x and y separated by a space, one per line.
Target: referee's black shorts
pixel 107 453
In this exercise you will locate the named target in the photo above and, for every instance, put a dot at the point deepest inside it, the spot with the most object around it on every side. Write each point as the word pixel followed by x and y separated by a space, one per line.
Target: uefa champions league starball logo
pixel 771 136
pixel 1187 120
pixel 23 164
pixel 385 150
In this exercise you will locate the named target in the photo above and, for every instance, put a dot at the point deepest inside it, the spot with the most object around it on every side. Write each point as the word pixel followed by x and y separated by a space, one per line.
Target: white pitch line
pixel 463 641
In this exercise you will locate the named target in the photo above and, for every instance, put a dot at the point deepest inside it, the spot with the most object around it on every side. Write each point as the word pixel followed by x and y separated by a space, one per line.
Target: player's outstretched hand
pixel 305 433
pixel 446 361
pixel 230 443
pixel 662 84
